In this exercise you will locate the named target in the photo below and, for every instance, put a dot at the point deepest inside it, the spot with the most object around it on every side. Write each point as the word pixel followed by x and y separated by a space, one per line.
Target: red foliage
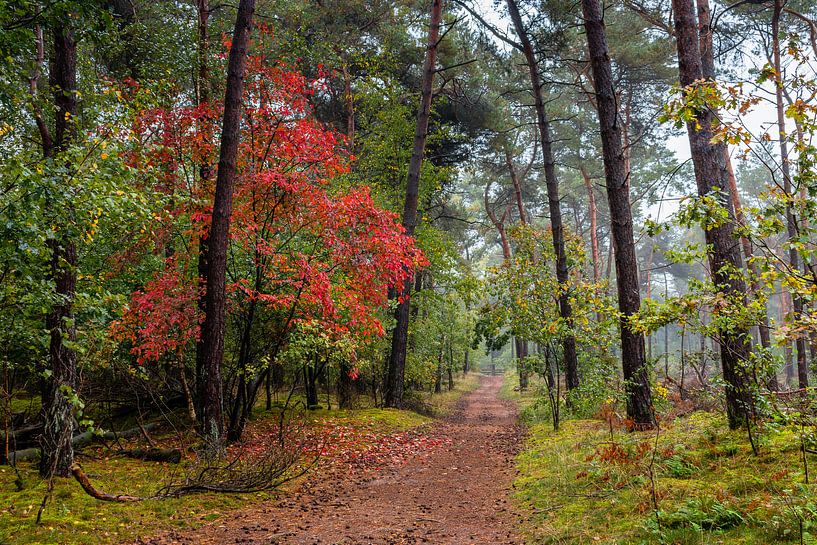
pixel 160 319
pixel 303 246
pixel 358 448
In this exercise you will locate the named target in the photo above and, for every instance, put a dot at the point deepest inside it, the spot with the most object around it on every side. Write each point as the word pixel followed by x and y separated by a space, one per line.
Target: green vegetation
pixel 690 482
pixel 71 512
pixel 442 404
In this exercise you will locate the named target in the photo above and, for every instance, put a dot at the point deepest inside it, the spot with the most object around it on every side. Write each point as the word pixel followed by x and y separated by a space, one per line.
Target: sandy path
pixel 455 494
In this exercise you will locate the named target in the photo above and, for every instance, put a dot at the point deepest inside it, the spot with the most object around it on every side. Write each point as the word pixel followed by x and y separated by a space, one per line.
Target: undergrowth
pixel 691 482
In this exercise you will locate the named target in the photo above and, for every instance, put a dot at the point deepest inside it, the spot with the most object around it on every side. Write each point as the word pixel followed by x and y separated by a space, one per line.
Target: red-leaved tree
pixel 306 248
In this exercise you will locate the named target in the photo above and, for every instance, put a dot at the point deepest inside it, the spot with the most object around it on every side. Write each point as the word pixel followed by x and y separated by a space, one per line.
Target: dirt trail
pixel 455 494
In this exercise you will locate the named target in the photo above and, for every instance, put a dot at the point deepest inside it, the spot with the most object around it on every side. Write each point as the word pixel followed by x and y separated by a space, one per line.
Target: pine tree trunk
pixel 648 274
pixel 517 188
pixel 788 354
pixel 552 185
pixel 521 354
pixel 593 212
pixel 57 451
pixel 708 71
pixel 791 224
pixel 213 329
pixel 395 374
pixel 637 385
pixel 710 173
pixel 203 92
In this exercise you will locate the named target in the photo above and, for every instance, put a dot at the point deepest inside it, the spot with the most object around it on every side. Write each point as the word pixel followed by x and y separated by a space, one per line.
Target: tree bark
pixel 725 258
pixel 708 71
pixel 552 184
pixel 213 329
pixel 397 358
pixel 521 354
pixel 345 387
pixel 637 385
pixel 648 275
pixel 57 451
pixel 593 211
pixel 788 354
pixel 203 97
pixel 517 188
pixel 499 224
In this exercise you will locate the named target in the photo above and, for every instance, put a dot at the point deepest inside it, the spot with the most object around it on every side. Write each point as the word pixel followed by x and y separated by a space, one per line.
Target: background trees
pixel 183 229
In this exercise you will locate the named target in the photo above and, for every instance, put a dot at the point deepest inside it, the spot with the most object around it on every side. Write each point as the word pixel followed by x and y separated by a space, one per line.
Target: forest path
pixel 455 494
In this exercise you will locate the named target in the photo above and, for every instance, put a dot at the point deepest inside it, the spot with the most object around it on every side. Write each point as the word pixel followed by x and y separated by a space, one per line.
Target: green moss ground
pixel 580 486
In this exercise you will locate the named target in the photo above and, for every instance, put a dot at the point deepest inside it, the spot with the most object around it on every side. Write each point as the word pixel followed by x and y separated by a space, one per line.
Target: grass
pixel 74 518
pixel 443 403
pixel 580 485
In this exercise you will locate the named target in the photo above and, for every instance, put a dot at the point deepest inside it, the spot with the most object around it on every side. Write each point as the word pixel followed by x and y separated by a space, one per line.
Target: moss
pixel 578 486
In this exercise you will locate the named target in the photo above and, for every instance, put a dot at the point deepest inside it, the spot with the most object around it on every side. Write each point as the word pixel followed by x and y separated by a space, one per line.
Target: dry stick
pixel 653 493
pixel 85 483
pixel 804 450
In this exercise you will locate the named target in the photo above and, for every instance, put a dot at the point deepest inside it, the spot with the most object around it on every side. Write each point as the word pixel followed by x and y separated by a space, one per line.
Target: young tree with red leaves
pixel 305 252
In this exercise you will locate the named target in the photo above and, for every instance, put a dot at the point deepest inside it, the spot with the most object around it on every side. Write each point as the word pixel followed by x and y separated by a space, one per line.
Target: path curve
pixel 456 494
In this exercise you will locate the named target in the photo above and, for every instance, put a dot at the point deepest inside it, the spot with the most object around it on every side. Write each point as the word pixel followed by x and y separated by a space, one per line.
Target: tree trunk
pixel 710 173
pixel 345 387
pixel 682 390
pixel 57 451
pixel 791 224
pixel 438 379
pixel 593 211
pixel 788 354
pixel 521 354
pixel 637 385
pixel 517 187
pixel 397 358
pixel 708 71
pixel 450 366
pixel 552 184
pixel 242 404
pixel 213 329
pixel 203 96
pixel 648 274
pixel 311 373
pixel 499 224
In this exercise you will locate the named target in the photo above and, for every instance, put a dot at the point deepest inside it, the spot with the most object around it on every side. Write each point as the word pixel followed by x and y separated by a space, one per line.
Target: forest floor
pixel 456 491
pixel 692 481
pixel 360 444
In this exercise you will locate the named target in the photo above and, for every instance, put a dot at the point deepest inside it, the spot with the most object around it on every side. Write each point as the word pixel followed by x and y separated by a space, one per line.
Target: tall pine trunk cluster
pixel 712 178
pixel 633 360
pixel 552 185
pixel 395 372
